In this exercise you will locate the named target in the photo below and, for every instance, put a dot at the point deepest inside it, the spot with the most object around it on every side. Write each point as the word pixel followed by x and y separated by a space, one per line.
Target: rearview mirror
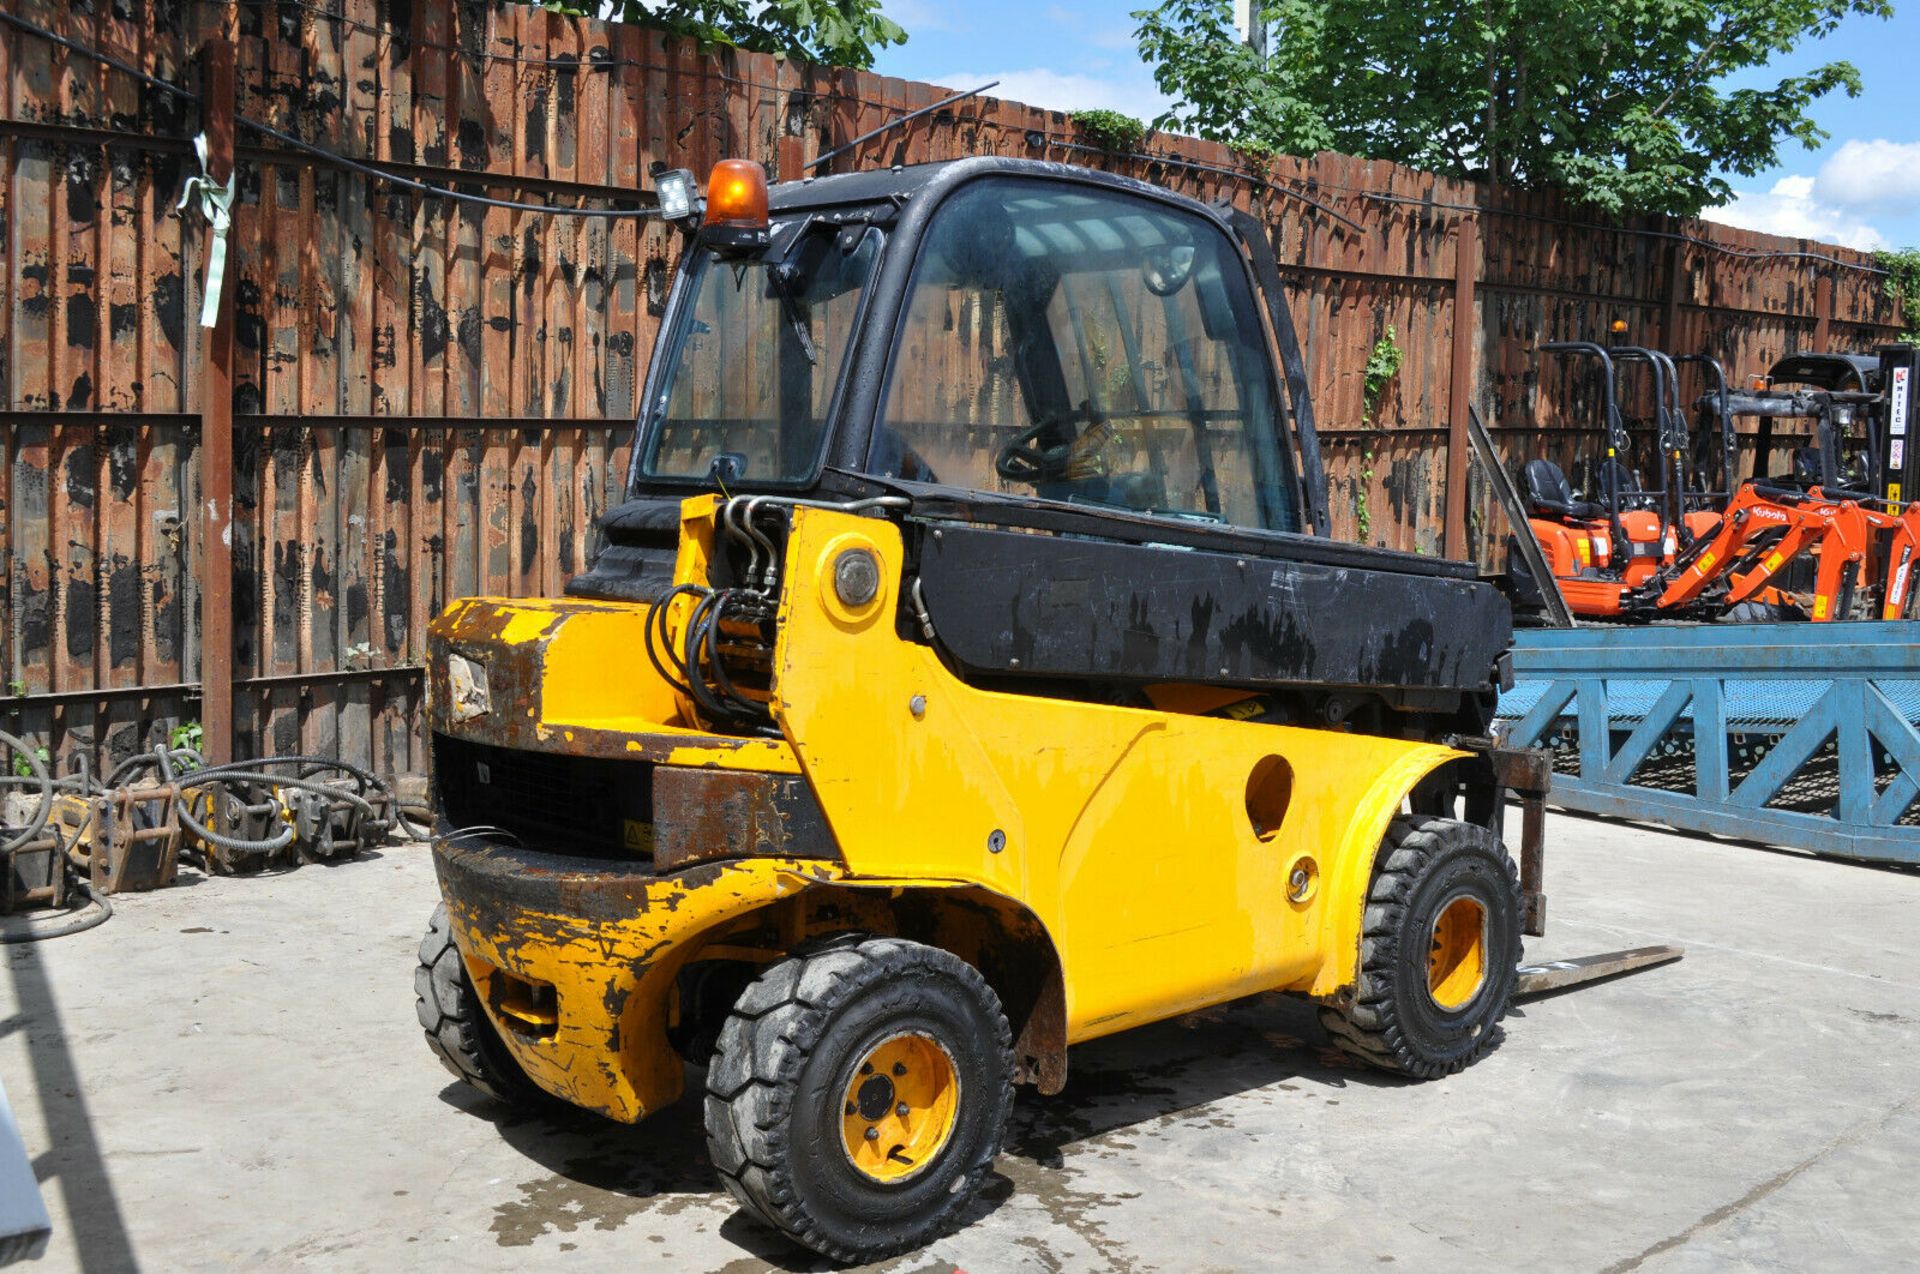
pixel 1167 268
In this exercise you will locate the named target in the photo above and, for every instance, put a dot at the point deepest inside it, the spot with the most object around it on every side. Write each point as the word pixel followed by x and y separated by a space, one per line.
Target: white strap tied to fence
pixel 216 204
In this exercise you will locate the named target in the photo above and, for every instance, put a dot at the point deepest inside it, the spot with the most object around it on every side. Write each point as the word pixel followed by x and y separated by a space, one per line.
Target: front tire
pixel 1439 951
pixel 457 1028
pixel 858 1095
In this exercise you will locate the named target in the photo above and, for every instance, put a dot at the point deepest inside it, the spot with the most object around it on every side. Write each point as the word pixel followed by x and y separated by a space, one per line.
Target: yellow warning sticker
pixel 1820 607
pixel 639 835
pixel 1772 563
pixel 1705 564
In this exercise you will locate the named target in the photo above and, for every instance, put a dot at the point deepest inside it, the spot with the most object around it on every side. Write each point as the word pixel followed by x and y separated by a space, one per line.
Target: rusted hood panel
pixel 570 675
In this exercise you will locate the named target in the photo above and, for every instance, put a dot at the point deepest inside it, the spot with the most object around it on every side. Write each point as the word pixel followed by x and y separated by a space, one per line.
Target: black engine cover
pixel 1010 604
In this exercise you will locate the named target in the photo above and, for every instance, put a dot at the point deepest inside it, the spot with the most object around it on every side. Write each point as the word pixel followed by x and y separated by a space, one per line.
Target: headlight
pixel 468 679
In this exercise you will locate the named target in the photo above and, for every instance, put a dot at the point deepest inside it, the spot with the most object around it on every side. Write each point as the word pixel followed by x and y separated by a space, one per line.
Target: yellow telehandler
pixel 968 674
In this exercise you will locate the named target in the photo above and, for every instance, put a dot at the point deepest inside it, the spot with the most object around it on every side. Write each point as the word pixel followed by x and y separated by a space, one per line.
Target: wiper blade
pixel 790 306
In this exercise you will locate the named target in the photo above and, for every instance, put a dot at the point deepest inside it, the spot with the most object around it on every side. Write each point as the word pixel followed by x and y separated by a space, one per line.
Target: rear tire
pixel 1439 951
pixel 854 1160
pixel 457 1028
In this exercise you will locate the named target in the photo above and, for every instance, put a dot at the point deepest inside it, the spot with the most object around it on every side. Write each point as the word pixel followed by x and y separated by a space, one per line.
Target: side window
pixel 1086 346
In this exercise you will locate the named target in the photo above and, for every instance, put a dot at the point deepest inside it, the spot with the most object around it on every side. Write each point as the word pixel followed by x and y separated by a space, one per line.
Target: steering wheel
pixel 1024 459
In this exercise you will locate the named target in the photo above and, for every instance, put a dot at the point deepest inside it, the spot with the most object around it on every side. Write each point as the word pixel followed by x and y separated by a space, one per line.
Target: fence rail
pixel 428 399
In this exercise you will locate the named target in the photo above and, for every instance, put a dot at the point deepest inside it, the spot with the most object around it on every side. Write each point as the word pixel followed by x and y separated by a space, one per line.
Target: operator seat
pixel 1549 496
pixel 1632 494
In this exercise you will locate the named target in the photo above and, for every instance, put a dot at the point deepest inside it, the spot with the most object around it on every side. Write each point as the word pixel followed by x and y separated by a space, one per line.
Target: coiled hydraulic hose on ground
pixel 183 770
pixel 36 775
pixel 82 921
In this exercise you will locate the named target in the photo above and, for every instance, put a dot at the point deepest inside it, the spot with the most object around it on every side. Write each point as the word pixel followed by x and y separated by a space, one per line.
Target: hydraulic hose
pixel 36 775
pixel 77 924
pixel 169 763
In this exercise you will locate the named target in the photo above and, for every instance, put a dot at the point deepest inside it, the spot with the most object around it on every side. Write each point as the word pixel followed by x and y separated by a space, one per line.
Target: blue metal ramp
pixel 1800 735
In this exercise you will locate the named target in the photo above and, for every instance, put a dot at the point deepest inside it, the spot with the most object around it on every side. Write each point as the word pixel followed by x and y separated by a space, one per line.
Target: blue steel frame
pixel 1857 684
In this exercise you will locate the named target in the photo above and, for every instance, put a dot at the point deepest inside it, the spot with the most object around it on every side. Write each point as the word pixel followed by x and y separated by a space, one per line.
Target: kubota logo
pixel 1768 515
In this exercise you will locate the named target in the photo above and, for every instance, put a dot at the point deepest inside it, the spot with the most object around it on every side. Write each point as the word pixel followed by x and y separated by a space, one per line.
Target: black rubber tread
pixel 798 1010
pixel 1392 1022
pixel 457 1029
pixel 1752 612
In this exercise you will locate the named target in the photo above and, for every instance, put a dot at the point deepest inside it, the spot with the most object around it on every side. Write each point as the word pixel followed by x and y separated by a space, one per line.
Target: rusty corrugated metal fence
pixel 431 399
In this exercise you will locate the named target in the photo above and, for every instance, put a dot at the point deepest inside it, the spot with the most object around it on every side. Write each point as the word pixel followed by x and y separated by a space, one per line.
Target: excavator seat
pixel 1549 495
pixel 1632 494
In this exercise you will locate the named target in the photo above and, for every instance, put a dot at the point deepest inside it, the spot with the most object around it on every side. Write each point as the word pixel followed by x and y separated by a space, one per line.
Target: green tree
pixel 832 32
pixel 1623 103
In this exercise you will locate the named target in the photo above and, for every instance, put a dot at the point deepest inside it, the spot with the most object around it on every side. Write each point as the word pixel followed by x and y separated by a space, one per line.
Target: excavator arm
pixel 1839 530
pixel 1749 516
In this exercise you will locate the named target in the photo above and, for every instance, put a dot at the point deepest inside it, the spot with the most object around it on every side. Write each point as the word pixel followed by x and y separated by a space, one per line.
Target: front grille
pixel 548 800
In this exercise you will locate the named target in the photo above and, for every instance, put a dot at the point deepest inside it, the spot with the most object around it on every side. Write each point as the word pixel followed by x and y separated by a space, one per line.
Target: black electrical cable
pixel 892 124
pixel 1046 139
pixel 1041 138
pixel 95 55
pixel 321 152
pixel 408 183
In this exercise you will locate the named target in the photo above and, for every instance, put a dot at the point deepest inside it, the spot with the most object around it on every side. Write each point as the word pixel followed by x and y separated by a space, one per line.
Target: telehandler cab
pixel 967 676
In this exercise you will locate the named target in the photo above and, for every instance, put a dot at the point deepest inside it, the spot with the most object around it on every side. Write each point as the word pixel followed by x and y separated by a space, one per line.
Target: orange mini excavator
pixel 1767 527
pixel 1608 554
pixel 1825 507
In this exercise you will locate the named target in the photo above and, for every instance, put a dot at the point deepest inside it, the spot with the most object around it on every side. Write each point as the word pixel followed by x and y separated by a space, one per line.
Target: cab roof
pixel 904 184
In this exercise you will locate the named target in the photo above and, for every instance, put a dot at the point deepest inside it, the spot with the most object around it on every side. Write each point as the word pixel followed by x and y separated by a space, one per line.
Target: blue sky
pixel 1861 188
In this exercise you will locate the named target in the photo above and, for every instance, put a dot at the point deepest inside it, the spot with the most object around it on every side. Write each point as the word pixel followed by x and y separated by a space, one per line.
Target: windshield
pixel 1088 346
pixel 755 361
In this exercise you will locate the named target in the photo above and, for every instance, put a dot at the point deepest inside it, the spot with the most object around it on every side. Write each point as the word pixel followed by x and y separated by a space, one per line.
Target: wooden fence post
pixel 216 432
pixel 1466 270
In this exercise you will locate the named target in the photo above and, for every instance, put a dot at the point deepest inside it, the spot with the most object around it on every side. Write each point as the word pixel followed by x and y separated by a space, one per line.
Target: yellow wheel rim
pixel 1457 960
pixel 899 1108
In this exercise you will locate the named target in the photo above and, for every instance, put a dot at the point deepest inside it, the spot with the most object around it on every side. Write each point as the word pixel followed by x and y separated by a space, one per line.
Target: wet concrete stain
pixel 603 1175
pixel 1122 1091
pixel 558 1204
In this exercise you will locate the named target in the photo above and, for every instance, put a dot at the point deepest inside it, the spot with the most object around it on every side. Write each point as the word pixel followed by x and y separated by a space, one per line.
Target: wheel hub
pixel 1457 955
pixel 900 1107
pixel 876 1098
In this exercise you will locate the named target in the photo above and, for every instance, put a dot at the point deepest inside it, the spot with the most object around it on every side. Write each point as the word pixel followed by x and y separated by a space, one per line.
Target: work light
pixel 676 192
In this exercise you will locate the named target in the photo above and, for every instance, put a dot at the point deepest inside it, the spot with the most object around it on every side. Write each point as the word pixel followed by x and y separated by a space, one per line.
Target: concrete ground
pixel 228 1074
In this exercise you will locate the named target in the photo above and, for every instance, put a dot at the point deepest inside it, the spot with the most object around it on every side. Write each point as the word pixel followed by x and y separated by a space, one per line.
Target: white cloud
pixel 1794 208
pixel 1876 174
pixel 1132 92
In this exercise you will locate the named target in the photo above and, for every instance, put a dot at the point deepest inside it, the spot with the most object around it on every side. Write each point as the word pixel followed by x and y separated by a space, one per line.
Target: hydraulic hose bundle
pixel 696 663
pixel 698 668
pixel 92 837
